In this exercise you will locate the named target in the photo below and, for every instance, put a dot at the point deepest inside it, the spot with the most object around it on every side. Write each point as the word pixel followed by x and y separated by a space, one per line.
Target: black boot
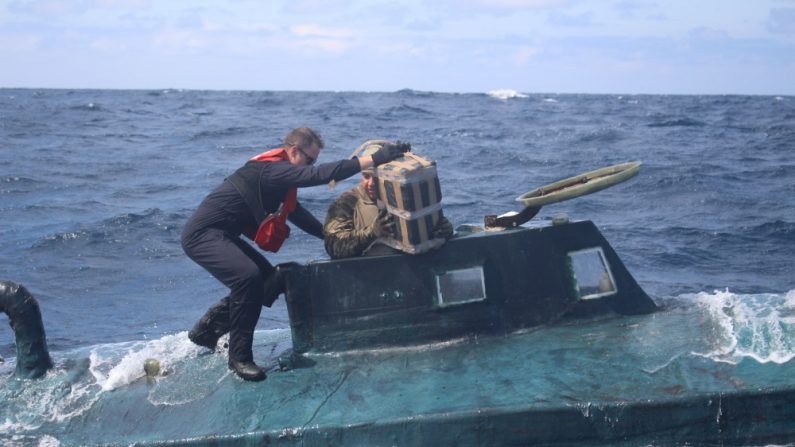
pixel 244 311
pixel 212 326
pixel 247 370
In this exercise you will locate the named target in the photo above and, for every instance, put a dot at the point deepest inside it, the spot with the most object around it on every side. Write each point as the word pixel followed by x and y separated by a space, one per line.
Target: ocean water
pixel 95 186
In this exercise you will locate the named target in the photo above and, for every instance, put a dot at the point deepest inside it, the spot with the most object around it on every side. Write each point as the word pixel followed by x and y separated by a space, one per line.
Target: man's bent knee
pixel 249 280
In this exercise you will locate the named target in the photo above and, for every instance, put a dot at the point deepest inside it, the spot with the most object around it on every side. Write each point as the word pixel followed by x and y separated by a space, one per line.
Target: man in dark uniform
pixel 211 236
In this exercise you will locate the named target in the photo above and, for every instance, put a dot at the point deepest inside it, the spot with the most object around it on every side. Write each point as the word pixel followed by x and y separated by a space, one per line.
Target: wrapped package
pixel 409 189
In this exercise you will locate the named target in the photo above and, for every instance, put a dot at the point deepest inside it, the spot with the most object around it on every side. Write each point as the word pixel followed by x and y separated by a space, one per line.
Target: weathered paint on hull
pixel 366 303
pixel 553 386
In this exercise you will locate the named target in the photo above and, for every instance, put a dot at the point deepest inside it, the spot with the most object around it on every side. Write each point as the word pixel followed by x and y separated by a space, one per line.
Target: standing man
pixel 211 236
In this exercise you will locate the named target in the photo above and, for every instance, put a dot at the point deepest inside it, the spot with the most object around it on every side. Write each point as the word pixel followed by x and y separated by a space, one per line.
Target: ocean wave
pixel 200 112
pixel 404 111
pixel 219 133
pixel 17 179
pixel 415 93
pixel 710 247
pixel 780 130
pixel 16 184
pixel 88 107
pixel 116 365
pixel 763 171
pixel 676 122
pixel 778 230
pixel 267 102
pixel 82 377
pixel 118 230
pixel 59 396
pixel 603 135
pixel 757 326
pixel 507 94
pixel 164 92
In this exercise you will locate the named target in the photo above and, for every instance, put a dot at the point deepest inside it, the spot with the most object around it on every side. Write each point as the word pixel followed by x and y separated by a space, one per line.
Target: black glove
pixel 383 225
pixel 402 146
pixel 387 153
pixel 443 229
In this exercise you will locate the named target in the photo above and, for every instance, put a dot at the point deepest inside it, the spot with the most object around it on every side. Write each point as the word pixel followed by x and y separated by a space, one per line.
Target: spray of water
pixel 759 326
pixel 83 376
pixel 121 364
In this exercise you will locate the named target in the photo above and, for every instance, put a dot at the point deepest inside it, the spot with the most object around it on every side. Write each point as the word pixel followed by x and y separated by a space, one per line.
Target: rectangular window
pixel 460 286
pixel 591 273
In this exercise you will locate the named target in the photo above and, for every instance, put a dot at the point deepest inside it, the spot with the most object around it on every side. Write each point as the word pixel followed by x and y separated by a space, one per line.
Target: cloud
pixel 45 7
pixel 401 49
pixel 523 54
pixel 311 30
pixel 316 7
pixel 584 19
pixel 459 8
pixel 391 14
pixel 244 27
pixel 179 41
pixel 633 9
pixel 325 45
pixel 74 7
pixel 123 4
pixel 323 39
pixel 519 4
pixel 708 34
pixel 781 21
pixel 109 45
pixel 20 42
pixel 450 44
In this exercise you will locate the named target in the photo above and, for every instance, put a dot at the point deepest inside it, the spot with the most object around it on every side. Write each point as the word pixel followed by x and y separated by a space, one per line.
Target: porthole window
pixel 591 273
pixel 460 286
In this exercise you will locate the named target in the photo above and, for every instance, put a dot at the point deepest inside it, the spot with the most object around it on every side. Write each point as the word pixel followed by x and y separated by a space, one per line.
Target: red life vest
pixel 273 229
pixel 278 154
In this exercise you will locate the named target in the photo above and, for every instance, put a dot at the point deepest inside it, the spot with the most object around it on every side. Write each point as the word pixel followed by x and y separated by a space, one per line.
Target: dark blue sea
pixel 96 185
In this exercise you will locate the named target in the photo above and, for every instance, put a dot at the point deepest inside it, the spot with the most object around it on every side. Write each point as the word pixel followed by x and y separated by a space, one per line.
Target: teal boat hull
pixel 574 384
pixel 531 336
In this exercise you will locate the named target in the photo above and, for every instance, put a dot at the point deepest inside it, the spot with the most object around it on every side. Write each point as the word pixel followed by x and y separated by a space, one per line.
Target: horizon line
pixel 405 89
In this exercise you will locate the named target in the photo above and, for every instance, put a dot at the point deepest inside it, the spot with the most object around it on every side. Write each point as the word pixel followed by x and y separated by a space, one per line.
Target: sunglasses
pixel 309 160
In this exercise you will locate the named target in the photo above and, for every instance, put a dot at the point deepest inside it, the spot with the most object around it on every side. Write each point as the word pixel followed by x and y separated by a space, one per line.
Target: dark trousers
pixel 241 268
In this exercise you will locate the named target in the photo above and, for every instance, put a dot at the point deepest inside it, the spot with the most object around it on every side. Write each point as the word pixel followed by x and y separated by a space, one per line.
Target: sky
pixel 464 46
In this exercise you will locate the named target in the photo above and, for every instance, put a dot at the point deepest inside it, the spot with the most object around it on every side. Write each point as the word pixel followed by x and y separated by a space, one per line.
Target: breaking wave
pixel 82 376
pixel 506 94
pixel 758 326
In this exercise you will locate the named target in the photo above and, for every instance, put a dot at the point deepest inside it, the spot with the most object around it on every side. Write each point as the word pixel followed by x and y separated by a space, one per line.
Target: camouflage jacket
pixel 348 230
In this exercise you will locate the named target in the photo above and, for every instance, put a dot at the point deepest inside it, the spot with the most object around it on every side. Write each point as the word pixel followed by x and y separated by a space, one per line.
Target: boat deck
pixel 603 382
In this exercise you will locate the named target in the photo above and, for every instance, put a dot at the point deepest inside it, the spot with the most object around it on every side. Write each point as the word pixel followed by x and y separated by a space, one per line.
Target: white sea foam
pixel 54 397
pixel 49 441
pixel 10 426
pixel 190 379
pixel 117 365
pixel 759 326
pixel 111 372
pixel 506 94
pixel 81 377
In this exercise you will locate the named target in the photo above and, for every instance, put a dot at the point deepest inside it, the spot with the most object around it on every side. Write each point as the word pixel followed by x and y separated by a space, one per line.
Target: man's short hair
pixel 303 137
